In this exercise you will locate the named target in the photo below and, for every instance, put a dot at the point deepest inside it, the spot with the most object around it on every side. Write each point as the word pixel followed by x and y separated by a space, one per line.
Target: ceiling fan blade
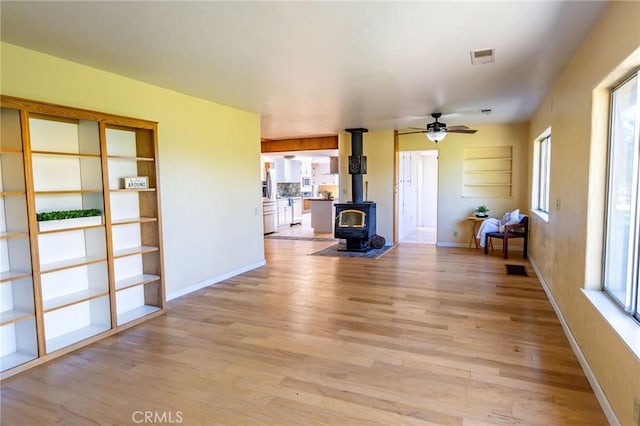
pixel 412 132
pixel 418 128
pixel 469 131
pixel 453 128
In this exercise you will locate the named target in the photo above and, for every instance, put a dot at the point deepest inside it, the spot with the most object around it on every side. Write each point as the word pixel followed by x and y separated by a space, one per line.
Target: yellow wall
pixel 453 208
pixel 209 158
pixel 568 256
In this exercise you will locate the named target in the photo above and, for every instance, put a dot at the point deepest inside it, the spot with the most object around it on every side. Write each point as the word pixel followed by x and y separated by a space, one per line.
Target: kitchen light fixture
pixel 436 136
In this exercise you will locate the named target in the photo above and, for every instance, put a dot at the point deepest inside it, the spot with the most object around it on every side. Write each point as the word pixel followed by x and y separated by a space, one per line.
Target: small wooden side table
pixel 475 223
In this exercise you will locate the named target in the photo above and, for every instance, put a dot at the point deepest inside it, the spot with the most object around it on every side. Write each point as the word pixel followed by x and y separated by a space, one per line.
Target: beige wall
pixel 209 158
pixel 453 208
pixel 568 256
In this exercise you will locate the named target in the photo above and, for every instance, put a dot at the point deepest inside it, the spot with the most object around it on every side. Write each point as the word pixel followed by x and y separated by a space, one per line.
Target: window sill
pixel 627 329
pixel 543 215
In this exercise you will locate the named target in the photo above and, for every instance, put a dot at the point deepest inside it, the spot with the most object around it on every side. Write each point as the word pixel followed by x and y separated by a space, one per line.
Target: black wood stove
pixel 356 221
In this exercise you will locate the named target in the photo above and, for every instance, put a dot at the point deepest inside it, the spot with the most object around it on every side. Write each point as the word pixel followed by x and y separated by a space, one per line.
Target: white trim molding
pixel 597 390
pixel 448 244
pixel 214 280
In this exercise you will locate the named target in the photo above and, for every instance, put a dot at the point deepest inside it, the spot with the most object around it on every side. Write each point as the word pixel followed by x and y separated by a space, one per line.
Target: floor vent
pixel 516 270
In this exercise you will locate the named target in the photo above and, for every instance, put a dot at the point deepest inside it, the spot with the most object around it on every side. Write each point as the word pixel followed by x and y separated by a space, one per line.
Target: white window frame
pixel 631 302
pixel 541 174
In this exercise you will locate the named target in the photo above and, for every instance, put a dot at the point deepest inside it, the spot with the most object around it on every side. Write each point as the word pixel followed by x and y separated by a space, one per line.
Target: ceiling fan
pixel 437 130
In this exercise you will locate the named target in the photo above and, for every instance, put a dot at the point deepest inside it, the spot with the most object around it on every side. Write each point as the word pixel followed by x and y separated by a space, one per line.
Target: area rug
pixel 335 250
pixel 516 270
pixel 292 237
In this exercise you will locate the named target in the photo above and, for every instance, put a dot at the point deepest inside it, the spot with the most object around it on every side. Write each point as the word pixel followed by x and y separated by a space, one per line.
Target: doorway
pixel 299 179
pixel 418 197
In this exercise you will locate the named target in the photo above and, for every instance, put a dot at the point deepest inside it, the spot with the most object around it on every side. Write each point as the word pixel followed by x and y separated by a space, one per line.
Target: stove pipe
pixel 357 164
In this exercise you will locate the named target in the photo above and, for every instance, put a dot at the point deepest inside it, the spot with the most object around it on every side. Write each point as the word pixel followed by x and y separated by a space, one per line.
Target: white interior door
pixel 418 196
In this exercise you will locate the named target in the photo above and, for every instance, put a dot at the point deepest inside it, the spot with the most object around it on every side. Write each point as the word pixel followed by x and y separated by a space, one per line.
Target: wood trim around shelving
pixel 10 235
pixel 75 228
pixel 88 297
pixel 61 111
pixel 129 221
pixel 109 224
pixel 124 157
pixel 69 191
pixel 132 190
pixel 77 262
pixel 33 224
pixel 161 294
pixel 64 154
pixel 10 151
pixel 23 316
pixel 12 275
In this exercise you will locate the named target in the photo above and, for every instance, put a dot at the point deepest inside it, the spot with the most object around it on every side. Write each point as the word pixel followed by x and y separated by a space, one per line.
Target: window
pixel 541 173
pixel 622 237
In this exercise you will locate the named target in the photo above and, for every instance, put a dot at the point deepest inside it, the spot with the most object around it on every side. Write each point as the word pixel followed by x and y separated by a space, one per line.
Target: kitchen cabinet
pixel 297 211
pixel 284 212
pixel 305 168
pixel 321 175
pixel 288 170
pixel 289 214
pixel 269 216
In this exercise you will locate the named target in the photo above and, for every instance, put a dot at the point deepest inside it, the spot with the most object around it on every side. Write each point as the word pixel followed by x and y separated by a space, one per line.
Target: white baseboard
pixel 448 244
pixel 211 281
pixel 593 381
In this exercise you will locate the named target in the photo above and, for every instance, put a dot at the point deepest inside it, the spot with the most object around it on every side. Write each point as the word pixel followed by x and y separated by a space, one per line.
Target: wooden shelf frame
pixel 136 281
pixel 127 158
pixel 6 150
pixel 74 298
pixel 9 235
pixel 71 229
pixel 13 275
pixel 13 316
pixel 141 219
pixel 65 154
pixel 148 219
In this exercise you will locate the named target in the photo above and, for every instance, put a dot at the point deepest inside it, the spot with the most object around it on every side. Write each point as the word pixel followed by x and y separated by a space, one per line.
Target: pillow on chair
pixel 514 217
pixel 505 219
pixel 509 218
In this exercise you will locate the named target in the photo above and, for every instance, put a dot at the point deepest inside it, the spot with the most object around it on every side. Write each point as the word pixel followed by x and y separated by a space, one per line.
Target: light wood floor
pixel 422 335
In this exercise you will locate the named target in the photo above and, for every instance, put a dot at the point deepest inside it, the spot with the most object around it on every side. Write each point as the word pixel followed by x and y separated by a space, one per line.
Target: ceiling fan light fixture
pixel 436 136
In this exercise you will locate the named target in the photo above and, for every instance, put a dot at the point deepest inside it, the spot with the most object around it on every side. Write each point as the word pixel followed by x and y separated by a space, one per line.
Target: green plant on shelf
pixel 67 214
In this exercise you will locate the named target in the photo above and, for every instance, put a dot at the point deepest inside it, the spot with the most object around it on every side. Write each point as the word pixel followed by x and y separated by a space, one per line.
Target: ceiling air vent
pixel 485 56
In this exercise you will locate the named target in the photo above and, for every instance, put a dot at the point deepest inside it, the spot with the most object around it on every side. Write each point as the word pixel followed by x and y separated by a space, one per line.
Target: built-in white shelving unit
pixel 488 172
pixel 17 302
pixel 65 282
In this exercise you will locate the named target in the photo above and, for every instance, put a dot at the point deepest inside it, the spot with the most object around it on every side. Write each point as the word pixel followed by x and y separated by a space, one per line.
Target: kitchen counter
pixel 322 215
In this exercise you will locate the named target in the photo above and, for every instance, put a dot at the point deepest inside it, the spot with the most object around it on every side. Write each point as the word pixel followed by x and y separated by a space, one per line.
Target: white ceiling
pixel 316 68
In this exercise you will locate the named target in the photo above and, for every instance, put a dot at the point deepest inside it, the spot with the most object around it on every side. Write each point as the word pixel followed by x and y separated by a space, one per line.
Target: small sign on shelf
pixel 137 182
